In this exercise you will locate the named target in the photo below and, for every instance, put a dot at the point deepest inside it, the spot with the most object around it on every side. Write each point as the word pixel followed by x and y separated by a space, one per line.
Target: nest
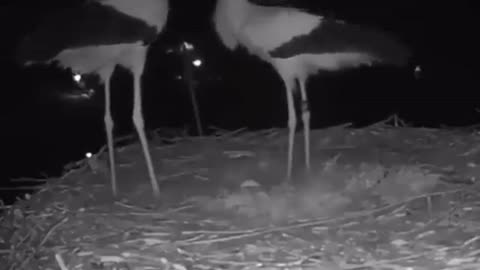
pixel 378 197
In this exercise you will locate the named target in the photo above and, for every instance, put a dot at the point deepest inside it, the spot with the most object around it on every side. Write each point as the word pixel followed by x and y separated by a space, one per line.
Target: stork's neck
pixel 229 17
pixel 260 28
pixel 153 12
pixel 237 11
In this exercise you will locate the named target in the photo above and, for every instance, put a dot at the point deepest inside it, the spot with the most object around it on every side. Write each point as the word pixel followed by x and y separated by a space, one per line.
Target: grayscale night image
pixel 239 134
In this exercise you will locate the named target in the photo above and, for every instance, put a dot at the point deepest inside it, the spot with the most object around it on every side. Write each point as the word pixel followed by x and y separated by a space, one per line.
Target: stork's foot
pixel 308 170
pixel 155 188
pixel 287 180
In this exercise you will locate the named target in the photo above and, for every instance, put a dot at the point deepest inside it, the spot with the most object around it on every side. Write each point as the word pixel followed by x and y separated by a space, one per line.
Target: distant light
pixel 88 94
pixel 197 62
pixel 88 155
pixel 178 77
pixel 77 95
pixel 418 72
pixel 77 77
pixel 188 46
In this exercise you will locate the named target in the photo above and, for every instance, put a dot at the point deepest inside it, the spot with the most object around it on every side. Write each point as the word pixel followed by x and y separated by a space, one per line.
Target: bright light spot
pixel 179 77
pixel 418 72
pixel 197 62
pixel 77 77
pixel 188 46
pixel 88 155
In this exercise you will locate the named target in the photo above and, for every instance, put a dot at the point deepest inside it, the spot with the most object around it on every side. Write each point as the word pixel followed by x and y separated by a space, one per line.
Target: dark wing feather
pixel 333 36
pixel 86 25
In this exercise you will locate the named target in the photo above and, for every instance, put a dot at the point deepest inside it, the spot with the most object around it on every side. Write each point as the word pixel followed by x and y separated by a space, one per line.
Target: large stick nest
pixel 379 197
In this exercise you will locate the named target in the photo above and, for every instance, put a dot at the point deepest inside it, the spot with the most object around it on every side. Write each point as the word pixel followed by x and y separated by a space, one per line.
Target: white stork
pixel 93 38
pixel 299 44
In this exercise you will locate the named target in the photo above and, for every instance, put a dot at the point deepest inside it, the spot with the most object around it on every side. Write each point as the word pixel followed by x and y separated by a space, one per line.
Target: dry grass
pixel 380 197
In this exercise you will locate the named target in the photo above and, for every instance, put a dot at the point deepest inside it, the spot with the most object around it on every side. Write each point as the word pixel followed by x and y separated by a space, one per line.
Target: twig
pixel 52 229
pixel 313 223
pixel 465 266
pixel 20 188
pixel 220 232
pixel 385 122
pixel 178 209
pixel 470 241
pixel 223 134
pixel 115 141
pixel 341 126
pixel 28 180
pixel 60 262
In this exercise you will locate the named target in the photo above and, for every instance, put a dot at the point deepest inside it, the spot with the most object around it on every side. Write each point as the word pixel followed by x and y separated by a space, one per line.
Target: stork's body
pixel 94 38
pixel 298 44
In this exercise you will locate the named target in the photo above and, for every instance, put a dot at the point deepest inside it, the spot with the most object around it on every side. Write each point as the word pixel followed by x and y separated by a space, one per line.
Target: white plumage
pixel 298 44
pixel 95 37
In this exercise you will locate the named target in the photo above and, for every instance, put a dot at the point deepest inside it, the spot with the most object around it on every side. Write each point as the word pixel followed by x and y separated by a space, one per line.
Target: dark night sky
pixel 40 131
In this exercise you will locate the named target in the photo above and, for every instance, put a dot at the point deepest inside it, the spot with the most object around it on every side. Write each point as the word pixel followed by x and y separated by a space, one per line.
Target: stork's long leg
pixel 106 76
pixel 306 121
pixel 292 124
pixel 139 125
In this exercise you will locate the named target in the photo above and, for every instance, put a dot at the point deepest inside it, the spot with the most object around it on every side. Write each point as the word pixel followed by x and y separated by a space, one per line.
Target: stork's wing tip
pixel 397 54
pixel 404 57
pixel 20 56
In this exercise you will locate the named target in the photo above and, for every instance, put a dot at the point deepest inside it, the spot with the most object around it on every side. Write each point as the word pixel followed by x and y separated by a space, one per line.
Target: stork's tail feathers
pixel 27 51
pixel 387 48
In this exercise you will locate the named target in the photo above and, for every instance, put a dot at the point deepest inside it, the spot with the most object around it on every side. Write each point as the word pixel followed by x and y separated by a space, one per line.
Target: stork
pixel 94 37
pixel 299 44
